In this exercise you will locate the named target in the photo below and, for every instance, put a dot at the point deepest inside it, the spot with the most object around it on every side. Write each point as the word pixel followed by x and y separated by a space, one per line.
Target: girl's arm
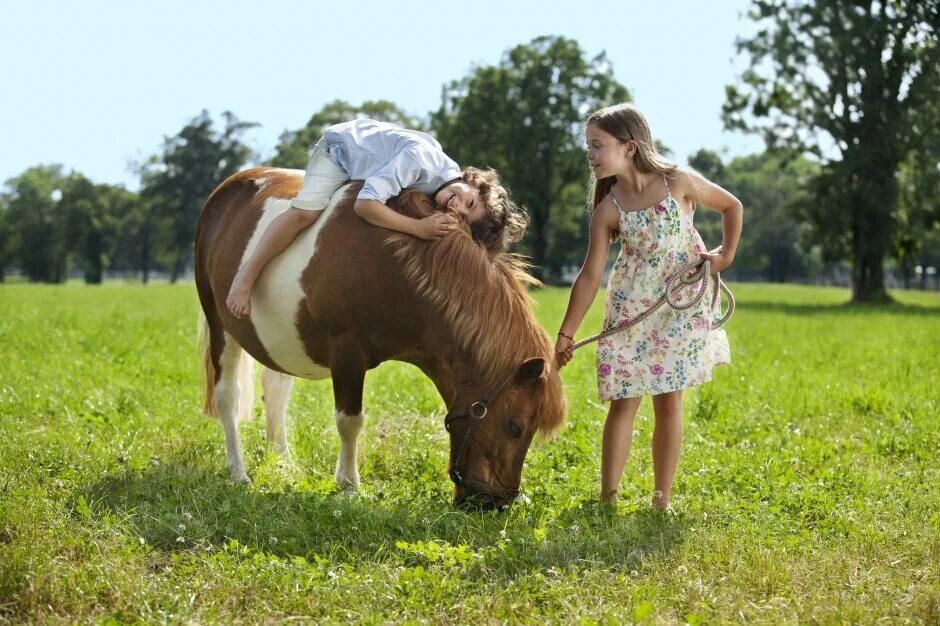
pixel 695 188
pixel 604 221
pixel 379 214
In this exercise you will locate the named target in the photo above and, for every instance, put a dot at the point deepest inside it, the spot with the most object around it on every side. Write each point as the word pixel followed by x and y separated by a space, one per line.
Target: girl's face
pixel 463 199
pixel 606 154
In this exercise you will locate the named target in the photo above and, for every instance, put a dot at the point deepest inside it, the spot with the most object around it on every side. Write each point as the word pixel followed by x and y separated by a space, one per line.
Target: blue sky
pixel 96 85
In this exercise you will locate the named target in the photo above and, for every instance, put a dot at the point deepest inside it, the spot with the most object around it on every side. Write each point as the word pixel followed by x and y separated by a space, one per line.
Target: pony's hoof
pixel 240 478
pixel 348 493
pixel 346 479
pixel 347 483
pixel 522 499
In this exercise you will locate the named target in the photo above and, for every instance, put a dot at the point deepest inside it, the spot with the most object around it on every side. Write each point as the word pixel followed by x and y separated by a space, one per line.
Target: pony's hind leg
pixel 276 388
pixel 229 394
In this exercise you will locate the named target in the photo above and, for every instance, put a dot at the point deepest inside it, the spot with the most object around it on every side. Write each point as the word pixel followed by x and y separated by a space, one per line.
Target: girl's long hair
pixel 625 122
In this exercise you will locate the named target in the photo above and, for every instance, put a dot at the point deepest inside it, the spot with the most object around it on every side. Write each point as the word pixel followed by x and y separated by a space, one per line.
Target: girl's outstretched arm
pixel 604 223
pixel 695 188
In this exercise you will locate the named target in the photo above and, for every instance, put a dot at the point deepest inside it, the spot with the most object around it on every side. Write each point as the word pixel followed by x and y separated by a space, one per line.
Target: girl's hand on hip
pixel 719 261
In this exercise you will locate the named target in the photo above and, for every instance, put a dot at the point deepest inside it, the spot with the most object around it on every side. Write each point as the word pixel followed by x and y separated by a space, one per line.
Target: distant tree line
pixel 864 201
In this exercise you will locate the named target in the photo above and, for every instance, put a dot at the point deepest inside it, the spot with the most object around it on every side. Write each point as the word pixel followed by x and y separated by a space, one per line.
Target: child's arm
pixel 381 215
pixel 604 221
pixel 695 188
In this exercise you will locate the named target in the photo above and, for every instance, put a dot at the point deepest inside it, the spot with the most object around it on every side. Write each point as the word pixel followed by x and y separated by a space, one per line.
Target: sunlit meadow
pixel 808 490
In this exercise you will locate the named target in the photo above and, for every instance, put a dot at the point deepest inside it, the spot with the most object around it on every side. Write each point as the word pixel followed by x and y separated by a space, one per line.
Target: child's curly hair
pixel 505 222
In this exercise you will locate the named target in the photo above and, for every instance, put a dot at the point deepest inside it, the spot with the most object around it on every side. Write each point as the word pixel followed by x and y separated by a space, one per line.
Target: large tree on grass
pixel 524 118
pixel 38 235
pixel 176 183
pixel 844 80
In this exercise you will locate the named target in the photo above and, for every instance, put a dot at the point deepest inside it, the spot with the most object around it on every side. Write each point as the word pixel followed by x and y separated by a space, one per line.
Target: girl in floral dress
pixel 647 204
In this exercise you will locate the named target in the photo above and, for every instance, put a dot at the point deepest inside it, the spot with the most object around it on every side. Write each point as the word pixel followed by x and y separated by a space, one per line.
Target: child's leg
pixel 322 178
pixel 615 445
pixel 667 444
pixel 282 231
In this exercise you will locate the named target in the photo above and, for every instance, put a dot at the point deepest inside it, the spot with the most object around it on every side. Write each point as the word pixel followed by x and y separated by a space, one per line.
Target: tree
pixel 846 81
pixel 294 144
pixel 93 214
pixel 38 233
pixel 176 183
pixel 524 118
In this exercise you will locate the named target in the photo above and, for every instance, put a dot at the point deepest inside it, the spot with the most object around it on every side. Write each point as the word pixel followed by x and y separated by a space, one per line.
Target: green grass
pixel 808 490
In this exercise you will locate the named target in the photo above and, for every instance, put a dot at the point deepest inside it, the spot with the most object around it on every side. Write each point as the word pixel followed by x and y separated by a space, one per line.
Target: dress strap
pixel 616 204
pixel 668 190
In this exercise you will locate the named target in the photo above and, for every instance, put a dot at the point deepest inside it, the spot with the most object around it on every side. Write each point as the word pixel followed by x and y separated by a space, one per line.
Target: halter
pixel 476 412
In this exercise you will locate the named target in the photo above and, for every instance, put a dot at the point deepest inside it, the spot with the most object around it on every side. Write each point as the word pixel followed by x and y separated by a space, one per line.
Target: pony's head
pixel 503 381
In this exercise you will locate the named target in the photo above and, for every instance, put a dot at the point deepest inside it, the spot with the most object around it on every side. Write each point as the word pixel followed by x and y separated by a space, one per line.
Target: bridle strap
pixel 477 412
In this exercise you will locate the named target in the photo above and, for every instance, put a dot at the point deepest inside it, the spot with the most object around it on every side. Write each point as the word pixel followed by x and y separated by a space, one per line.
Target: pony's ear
pixel 530 371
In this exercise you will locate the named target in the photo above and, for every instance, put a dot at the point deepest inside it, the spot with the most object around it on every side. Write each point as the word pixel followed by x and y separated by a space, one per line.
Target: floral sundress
pixel 669 350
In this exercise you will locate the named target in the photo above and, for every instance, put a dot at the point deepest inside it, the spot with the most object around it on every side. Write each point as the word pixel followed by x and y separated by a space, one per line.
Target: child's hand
pixel 563 351
pixel 719 260
pixel 435 226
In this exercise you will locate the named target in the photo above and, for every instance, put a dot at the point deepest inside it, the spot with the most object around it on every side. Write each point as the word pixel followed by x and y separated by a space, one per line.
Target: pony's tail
pixel 245 377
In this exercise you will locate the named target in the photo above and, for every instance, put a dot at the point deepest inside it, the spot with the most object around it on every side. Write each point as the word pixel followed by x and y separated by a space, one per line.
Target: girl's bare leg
pixel 667 444
pixel 615 445
pixel 282 231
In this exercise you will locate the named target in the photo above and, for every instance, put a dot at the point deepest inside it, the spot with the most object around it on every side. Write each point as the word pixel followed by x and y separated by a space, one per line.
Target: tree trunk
pixel 94 266
pixel 178 265
pixel 145 254
pixel 872 201
pixel 868 283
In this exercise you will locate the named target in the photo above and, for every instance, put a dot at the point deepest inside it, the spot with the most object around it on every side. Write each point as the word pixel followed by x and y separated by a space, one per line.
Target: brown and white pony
pixel 346 296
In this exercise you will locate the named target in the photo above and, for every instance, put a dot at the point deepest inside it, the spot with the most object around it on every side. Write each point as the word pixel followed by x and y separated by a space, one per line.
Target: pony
pixel 347 296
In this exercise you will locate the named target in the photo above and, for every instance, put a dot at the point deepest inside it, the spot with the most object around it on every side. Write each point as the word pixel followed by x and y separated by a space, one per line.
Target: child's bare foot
pixel 239 298
pixel 610 497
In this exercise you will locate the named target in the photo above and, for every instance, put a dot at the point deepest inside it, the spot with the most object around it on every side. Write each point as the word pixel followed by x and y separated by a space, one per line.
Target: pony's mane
pixel 482 296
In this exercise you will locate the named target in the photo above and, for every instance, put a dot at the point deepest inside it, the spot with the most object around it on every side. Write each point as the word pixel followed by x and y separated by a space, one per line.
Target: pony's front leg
pixel 276 388
pixel 348 371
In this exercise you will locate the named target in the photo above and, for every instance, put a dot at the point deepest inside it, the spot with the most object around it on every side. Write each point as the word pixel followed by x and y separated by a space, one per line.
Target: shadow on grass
pixel 174 507
pixel 844 308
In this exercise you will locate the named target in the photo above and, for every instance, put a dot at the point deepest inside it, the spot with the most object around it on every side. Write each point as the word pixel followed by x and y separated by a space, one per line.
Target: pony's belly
pixel 277 297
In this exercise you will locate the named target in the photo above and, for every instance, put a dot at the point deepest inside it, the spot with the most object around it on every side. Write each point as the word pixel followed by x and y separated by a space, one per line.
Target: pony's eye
pixel 514 429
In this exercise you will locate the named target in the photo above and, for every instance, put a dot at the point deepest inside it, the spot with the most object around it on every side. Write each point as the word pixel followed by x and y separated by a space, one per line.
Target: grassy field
pixel 808 490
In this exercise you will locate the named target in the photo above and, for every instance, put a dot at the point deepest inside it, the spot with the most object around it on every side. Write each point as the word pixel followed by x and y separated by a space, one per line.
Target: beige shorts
pixel 321 180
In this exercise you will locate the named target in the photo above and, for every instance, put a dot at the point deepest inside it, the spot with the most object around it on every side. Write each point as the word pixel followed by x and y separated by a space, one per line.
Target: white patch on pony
pixel 277 294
